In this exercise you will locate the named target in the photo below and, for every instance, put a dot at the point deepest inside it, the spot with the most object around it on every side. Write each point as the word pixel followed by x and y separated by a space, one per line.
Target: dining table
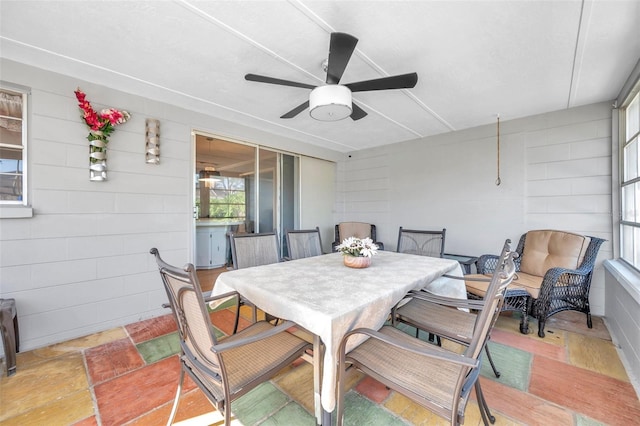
pixel 328 299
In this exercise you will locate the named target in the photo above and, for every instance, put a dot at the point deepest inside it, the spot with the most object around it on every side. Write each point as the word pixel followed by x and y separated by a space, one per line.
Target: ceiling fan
pixel 333 101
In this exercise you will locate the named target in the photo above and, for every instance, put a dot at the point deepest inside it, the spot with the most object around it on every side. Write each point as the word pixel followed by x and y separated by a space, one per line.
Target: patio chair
pixel 224 369
pixel 303 243
pixel 553 274
pixel 355 229
pixel 424 243
pixel 445 317
pixel 437 379
pixel 248 250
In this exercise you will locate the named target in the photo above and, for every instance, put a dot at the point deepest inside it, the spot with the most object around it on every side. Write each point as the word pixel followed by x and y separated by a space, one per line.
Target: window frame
pixel 628 224
pixel 19 208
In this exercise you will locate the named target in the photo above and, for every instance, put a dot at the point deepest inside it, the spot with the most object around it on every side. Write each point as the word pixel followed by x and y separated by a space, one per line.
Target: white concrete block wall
pixel 622 319
pixel 555 170
pixel 81 264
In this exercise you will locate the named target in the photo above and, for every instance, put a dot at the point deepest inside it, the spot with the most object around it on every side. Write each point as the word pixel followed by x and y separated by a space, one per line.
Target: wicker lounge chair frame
pixel 562 289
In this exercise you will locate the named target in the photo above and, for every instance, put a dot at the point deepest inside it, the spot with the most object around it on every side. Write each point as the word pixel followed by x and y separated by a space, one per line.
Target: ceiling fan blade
pixel 297 110
pixel 404 81
pixel 341 48
pixel 357 112
pixel 271 80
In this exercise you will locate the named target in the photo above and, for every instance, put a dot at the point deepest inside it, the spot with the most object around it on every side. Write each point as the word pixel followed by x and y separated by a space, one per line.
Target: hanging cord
pixel 498 182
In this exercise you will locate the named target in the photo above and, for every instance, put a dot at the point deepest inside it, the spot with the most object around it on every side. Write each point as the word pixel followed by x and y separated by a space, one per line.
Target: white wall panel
pixel 555 172
pixel 81 264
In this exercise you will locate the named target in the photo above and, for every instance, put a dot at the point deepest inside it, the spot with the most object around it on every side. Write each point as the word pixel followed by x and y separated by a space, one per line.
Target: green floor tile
pixel 290 414
pixel 258 404
pixel 159 348
pixel 513 364
pixel 360 411
pixel 224 305
pixel 585 421
pixel 219 334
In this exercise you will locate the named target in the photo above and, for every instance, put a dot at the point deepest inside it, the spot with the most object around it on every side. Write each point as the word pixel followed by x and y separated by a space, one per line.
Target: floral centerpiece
pixel 357 252
pixel 101 125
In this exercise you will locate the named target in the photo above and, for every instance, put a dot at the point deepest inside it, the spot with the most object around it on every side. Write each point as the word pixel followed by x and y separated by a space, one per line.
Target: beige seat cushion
pixel 546 249
pixel 354 229
pixel 521 281
pixel 543 250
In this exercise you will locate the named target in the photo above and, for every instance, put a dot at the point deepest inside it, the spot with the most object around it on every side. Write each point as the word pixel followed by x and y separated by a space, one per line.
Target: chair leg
pixel 487 417
pixel 495 371
pixel 174 409
pixel 524 321
pixel 541 327
pixel 589 323
pixel 227 414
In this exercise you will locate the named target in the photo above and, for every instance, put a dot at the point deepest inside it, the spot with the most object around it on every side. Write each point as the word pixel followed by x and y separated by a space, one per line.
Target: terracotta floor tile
pixel 373 389
pixel 525 343
pixel 595 354
pixel 131 395
pixel 225 319
pixel 192 404
pixel 151 328
pixel 576 379
pixel 523 407
pixel 112 360
pixel 600 397
pixel 89 421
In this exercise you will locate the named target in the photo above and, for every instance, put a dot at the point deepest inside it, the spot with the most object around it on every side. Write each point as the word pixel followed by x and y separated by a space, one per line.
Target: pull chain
pixel 498 182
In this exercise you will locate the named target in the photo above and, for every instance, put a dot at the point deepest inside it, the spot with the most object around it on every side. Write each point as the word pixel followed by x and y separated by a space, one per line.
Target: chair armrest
pixel 487 263
pixel 429 352
pixel 447 301
pixel 225 346
pixel 211 298
pixel 563 276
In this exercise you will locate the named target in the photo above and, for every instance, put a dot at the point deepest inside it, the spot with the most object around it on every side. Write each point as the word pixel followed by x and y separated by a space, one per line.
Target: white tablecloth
pixel 329 299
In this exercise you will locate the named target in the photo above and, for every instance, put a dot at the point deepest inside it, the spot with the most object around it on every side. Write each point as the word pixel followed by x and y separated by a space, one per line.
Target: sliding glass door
pixel 229 197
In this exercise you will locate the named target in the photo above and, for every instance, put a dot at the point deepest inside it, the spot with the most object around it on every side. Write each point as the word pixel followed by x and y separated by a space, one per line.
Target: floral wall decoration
pixel 101 125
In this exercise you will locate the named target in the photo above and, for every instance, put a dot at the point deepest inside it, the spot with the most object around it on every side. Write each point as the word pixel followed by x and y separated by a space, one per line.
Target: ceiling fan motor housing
pixel 330 103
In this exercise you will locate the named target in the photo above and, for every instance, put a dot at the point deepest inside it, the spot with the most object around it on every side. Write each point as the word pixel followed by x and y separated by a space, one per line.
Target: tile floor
pixel 128 375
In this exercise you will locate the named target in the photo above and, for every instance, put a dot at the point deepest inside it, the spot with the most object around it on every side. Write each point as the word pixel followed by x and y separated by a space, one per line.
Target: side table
pixel 9 333
pixel 464 260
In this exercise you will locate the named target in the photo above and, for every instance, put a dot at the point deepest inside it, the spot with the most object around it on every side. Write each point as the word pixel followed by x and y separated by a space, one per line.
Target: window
pixel 13 138
pixel 630 186
pixel 221 197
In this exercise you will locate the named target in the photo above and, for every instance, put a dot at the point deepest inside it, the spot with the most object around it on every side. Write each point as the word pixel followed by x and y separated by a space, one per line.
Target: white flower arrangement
pixel 357 247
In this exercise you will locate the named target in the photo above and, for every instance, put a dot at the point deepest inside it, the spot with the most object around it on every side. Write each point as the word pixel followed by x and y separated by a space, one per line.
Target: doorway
pixel 241 188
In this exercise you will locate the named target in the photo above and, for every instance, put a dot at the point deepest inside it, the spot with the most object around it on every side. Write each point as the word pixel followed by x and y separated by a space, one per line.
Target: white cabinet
pixel 211 246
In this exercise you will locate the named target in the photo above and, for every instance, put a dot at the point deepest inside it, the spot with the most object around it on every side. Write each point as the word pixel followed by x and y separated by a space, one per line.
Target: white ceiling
pixel 474 59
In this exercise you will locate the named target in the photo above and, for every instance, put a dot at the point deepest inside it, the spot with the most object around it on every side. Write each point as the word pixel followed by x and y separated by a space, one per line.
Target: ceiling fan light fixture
pixel 330 103
pixel 209 175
